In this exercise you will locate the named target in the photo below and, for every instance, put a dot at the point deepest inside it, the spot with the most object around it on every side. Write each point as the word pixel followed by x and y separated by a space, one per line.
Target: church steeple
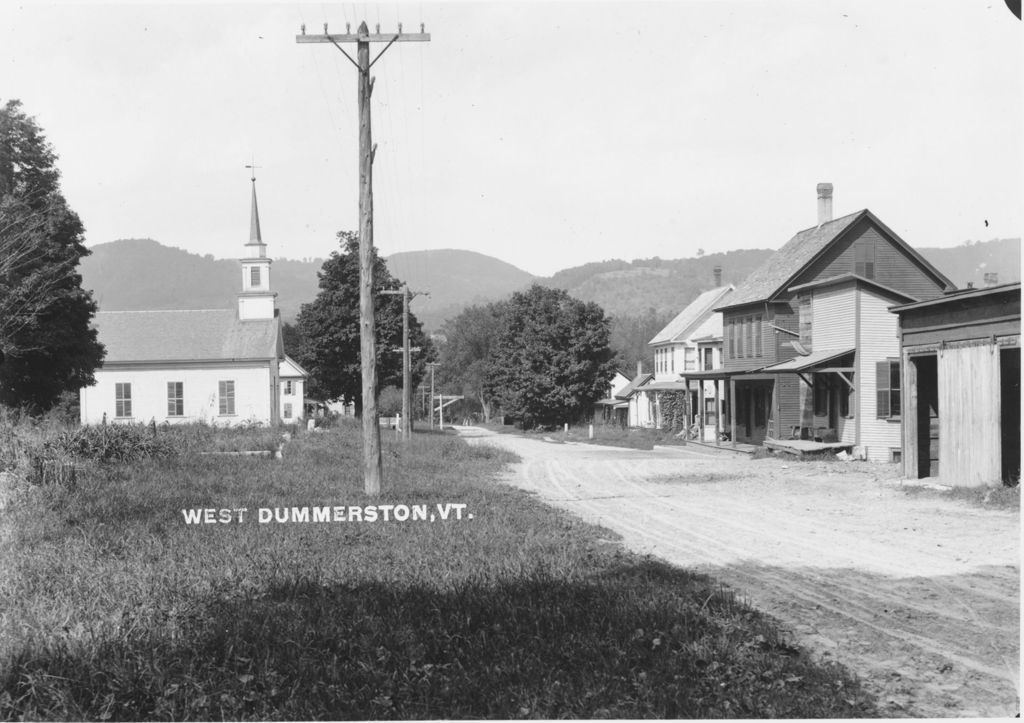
pixel 254 220
pixel 256 300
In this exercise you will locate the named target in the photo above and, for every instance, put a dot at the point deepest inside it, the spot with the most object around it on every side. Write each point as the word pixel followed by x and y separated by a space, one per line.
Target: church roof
pixel 177 335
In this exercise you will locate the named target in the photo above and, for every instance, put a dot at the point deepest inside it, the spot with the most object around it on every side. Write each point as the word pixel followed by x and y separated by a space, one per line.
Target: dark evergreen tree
pixel 47 342
pixel 329 330
pixel 551 360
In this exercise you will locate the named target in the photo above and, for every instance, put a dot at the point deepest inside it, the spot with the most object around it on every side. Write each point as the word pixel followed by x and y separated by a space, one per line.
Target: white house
pixel 293 386
pixel 611 409
pixel 689 344
pixel 223 366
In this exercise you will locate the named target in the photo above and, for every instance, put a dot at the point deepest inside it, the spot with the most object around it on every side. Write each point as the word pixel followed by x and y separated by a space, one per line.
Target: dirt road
pixel 918 595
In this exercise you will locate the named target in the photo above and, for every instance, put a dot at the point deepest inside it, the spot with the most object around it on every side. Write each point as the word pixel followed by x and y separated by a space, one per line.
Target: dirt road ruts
pixel 918 595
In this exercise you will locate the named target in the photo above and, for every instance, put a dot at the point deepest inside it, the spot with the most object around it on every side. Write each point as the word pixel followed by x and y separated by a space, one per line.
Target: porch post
pixel 718 419
pixel 732 408
pixel 686 421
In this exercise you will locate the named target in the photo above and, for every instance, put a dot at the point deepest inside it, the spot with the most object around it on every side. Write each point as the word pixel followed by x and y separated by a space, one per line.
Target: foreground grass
pixel 116 609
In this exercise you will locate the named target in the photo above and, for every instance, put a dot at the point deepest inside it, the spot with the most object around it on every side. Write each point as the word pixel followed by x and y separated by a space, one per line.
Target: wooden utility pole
pixel 372 468
pixel 407 296
pixel 432 365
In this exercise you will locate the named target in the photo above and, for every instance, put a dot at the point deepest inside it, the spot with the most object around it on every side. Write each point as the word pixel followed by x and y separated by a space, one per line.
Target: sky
pixel 545 134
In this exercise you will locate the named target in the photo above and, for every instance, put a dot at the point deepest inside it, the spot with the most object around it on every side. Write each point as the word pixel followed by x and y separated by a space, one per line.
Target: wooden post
pixel 372 469
pixel 406 370
pixel 718 420
pixel 732 409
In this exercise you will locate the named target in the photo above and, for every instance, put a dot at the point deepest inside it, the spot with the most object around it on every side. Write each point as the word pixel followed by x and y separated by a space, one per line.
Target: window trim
pixel 122 401
pixel 178 399
pixel 226 398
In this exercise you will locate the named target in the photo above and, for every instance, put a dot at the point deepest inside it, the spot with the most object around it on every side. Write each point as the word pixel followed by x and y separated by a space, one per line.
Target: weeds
pixel 116 609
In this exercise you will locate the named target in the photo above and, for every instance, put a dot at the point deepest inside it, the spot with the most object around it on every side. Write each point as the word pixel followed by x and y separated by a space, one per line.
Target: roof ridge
pixel 835 220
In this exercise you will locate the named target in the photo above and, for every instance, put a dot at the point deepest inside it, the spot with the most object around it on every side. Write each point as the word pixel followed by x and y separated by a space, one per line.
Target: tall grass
pixel 116 609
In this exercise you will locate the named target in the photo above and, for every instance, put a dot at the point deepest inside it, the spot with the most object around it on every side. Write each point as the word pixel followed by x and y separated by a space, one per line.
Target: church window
pixel 175 399
pixel 122 399
pixel 254 276
pixel 226 392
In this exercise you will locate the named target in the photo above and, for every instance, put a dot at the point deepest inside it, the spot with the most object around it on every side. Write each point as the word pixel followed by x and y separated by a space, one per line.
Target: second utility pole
pixel 372 468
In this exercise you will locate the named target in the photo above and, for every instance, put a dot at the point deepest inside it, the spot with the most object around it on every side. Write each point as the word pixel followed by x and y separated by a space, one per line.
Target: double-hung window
pixel 226 394
pixel 175 399
pixel 122 399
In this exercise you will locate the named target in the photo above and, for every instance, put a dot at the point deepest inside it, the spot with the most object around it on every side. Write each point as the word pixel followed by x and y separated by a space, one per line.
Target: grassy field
pixel 115 609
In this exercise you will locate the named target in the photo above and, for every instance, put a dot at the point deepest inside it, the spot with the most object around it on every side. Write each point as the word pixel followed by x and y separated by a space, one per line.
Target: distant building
pixel 222 366
pixel 612 410
pixel 688 345
pixel 956 386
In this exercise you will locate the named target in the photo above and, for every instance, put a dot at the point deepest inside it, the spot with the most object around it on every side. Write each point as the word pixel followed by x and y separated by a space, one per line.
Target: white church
pixel 220 366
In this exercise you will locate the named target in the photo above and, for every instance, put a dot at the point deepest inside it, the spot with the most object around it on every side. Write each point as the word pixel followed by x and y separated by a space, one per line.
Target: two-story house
pixel 691 343
pixel 808 335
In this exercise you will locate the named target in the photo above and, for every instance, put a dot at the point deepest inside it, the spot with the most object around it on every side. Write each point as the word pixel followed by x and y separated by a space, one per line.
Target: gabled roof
pixel 696 312
pixel 639 380
pixel 195 335
pixel 288 368
pixel 777 273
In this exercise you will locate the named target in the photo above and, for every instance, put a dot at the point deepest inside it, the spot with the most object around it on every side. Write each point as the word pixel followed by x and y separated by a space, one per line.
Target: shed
pixel 958 388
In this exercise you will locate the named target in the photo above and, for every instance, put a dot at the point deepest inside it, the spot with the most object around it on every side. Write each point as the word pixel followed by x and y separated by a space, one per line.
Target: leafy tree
pixel 466 352
pixel 47 345
pixel 329 329
pixel 629 337
pixel 551 360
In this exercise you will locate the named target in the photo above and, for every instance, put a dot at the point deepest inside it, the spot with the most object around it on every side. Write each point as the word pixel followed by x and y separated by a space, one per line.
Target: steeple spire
pixel 254 221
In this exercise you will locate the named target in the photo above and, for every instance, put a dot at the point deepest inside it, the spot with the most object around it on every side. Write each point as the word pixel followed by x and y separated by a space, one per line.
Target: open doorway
pixel 1009 413
pixel 927 372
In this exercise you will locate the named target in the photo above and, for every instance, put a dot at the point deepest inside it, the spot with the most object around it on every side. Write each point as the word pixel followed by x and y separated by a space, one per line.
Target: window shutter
pixel 882 389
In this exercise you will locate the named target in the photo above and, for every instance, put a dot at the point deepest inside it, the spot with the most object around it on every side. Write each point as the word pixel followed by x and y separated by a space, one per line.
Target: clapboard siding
pixel 893 266
pixel 835 314
pixel 879 340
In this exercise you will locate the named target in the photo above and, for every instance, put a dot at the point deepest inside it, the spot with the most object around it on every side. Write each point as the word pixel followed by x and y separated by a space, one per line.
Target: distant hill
pixel 455 279
pixel 634 288
pixel 132 274
pixel 969 262
pixel 143 274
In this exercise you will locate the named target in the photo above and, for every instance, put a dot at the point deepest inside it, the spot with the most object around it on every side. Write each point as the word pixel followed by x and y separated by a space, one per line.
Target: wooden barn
pixel 960 386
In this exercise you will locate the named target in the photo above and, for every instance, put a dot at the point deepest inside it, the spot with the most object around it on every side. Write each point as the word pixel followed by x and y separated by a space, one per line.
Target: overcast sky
pixel 546 134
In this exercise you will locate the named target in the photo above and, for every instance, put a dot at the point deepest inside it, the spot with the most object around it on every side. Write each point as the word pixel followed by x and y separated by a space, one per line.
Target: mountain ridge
pixel 129 274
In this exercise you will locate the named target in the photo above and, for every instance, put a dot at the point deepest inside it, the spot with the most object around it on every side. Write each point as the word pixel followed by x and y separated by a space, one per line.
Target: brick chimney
pixel 718 276
pixel 824 203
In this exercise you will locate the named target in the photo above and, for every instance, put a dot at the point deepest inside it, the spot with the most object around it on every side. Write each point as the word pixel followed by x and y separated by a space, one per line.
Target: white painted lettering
pixel 443 510
pixel 321 514
pixel 339 513
pixel 300 514
pixel 266 515
pixel 386 509
pixel 193 517
pixel 369 513
pixel 419 512
pixel 355 514
pixel 401 513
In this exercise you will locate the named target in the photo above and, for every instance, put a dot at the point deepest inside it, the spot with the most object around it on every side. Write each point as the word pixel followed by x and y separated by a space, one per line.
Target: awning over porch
pixel 613 403
pixel 815 361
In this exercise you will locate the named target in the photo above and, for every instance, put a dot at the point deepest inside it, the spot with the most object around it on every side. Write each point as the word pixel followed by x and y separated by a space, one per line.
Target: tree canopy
pixel 551 360
pixel 328 329
pixel 465 355
pixel 47 345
